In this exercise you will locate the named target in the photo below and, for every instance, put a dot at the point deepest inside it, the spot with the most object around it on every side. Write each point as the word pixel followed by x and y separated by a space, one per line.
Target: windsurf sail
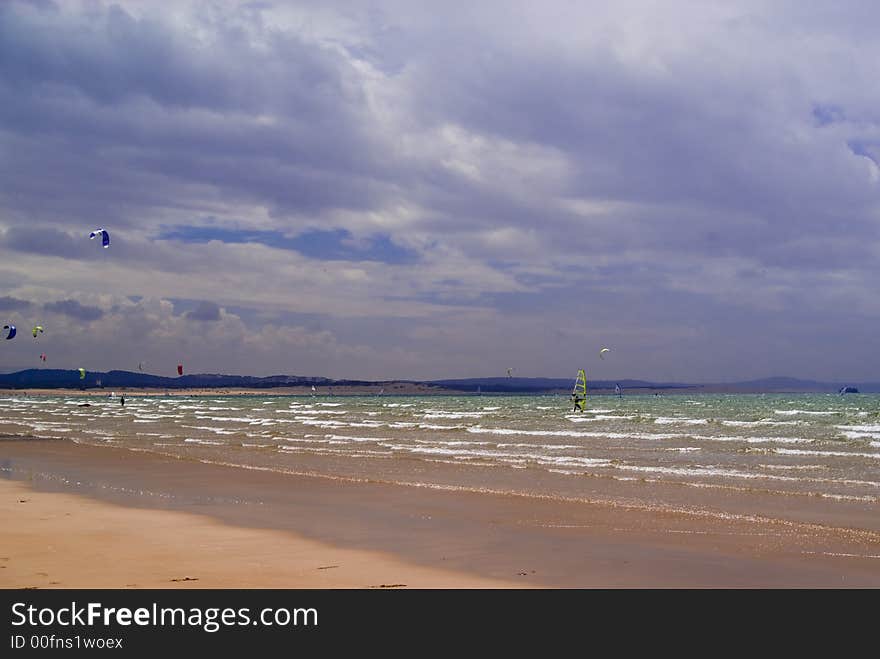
pixel 579 393
pixel 617 389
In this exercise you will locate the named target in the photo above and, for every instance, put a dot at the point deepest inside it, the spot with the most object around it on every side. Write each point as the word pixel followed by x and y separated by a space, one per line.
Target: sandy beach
pixel 84 516
pixel 54 540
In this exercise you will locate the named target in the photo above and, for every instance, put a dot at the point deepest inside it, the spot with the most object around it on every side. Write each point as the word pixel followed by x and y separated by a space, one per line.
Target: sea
pixel 808 457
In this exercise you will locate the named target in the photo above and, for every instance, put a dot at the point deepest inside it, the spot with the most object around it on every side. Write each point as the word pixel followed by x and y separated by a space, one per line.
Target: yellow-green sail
pixel 579 393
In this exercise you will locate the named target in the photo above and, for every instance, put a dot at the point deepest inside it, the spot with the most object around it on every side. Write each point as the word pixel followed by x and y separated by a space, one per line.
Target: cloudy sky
pixel 424 190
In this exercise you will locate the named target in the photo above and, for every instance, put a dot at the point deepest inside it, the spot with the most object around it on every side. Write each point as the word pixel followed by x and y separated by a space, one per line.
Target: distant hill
pixel 521 385
pixel 765 385
pixel 69 379
pixel 56 378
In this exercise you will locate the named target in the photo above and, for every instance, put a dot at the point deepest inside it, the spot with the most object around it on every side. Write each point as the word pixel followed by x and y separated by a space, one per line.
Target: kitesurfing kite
pixel 603 351
pixel 42 356
pixel 82 374
pixel 180 369
pixel 38 329
pixel 105 237
pixel 11 329
pixel 140 366
pixel 510 372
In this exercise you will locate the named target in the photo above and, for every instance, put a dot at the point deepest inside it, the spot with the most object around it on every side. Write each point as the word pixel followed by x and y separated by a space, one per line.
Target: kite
pixel 105 237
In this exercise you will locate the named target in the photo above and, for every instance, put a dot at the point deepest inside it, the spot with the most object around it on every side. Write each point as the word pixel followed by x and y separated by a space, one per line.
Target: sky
pixel 424 190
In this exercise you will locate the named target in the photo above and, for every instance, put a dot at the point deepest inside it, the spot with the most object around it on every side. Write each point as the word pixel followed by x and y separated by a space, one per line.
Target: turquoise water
pixel 744 454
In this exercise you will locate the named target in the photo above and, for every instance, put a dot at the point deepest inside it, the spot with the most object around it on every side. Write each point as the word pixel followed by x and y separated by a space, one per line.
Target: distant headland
pixel 127 380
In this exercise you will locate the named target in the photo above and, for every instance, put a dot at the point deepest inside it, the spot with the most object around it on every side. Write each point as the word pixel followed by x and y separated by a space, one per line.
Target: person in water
pixel 122 400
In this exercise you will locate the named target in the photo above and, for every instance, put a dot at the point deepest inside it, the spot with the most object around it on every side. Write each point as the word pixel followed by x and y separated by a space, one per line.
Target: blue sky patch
pixel 335 245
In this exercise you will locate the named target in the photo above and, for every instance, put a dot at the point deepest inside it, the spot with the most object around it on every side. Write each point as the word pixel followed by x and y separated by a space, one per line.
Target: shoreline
pixel 441 538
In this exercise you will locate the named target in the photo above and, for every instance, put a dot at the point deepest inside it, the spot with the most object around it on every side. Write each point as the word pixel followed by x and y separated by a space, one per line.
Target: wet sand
pixel 55 540
pixel 84 516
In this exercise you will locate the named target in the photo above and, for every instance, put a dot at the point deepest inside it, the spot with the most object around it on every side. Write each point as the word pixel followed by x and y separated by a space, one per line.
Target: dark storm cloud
pixel 132 108
pixel 8 303
pixel 207 311
pixel 47 241
pixel 700 170
pixel 74 309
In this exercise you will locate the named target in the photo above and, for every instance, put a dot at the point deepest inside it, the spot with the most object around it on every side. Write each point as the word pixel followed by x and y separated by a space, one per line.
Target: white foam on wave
pixel 307 439
pixel 324 423
pixel 237 419
pixel 206 442
pixel 219 431
pixel 544 446
pixel 355 438
pixel 754 440
pixel 310 411
pixel 849 434
pixel 833 454
pixel 502 456
pixel 870 428
pixel 762 422
pixel 430 426
pixel 682 420
pixel 363 453
pixel 458 442
pixel 811 412
pixel 788 467
pixel 572 433
pixel 452 415
pixel 703 471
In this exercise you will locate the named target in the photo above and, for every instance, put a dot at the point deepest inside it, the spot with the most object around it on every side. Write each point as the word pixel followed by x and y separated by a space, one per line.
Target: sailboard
pixel 579 393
